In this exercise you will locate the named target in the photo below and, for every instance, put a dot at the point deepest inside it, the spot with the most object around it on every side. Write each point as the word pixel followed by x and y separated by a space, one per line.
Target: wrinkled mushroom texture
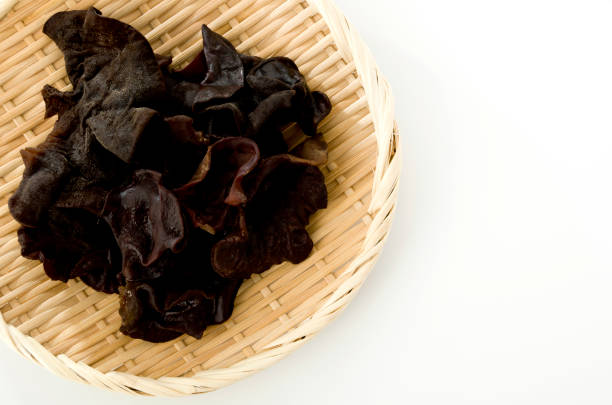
pixel 46 168
pixel 186 297
pixel 218 69
pixel 217 183
pixel 275 111
pixel 94 172
pixel 274 75
pixel 146 220
pixel 190 312
pixel 73 243
pixel 101 270
pixel 58 102
pixel 173 148
pixel 272 80
pixel 267 120
pixel 69 169
pixel 224 69
pixel 97 48
pixel 193 309
pixel 114 68
pixel 120 131
pixel 183 86
pixel 285 192
pixel 138 318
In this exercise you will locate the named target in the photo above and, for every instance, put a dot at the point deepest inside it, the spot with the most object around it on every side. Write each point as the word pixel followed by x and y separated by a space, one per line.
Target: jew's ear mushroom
pixel 217 184
pixel 285 192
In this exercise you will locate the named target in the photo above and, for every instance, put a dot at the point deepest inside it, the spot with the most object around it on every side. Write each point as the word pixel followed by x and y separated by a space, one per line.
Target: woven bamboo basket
pixel 72 330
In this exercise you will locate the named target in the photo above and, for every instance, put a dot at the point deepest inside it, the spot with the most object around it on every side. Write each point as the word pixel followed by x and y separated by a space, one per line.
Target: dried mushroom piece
pixel 217 184
pixel 224 69
pixel 218 69
pixel 186 298
pixel 146 220
pixel 266 121
pixel 114 70
pixel 190 313
pixel 273 111
pixel 285 191
pixel 174 149
pixel 183 151
pixel 101 270
pixel 101 49
pixel 139 320
pixel 73 243
pixel 46 168
pixel 120 131
pixel 94 172
pixel 275 76
pixel 70 170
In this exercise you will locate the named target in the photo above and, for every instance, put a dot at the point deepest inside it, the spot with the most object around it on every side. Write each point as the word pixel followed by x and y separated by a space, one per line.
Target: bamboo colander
pixel 72 330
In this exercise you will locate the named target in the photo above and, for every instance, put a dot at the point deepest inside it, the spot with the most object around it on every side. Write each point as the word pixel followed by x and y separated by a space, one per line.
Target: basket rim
pixel 382 208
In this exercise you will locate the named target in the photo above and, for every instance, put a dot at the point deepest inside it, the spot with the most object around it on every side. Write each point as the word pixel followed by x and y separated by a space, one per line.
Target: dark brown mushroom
pixel 146 220
pixel 186 297
pixel 217 184
pixel 285 191
pixel 73 243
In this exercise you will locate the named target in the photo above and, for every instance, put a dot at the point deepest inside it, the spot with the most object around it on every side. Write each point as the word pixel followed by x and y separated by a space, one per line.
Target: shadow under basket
pixel 72 330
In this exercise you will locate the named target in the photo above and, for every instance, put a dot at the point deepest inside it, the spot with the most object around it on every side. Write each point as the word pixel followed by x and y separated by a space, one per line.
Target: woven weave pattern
pixel 73 330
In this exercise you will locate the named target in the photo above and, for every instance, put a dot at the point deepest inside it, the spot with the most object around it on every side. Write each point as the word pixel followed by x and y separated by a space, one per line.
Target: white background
pixel 494 286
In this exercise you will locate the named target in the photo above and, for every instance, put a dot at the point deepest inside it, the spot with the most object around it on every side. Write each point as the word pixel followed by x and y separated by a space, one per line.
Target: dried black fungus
pixel 185 297
pixel 276 75
pixel 74 243
pixel 146 220
pixel 46 168
pixel 175 149
pixel 222 67
pixel 115 71
pixel 284 191
pixel 169 187
pixel 217 184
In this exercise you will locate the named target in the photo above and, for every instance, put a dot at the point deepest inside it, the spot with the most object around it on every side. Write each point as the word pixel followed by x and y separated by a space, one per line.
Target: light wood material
pixel 72 330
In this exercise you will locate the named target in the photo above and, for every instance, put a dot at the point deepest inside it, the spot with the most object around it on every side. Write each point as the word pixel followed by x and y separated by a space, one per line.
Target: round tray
pixel 73 330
